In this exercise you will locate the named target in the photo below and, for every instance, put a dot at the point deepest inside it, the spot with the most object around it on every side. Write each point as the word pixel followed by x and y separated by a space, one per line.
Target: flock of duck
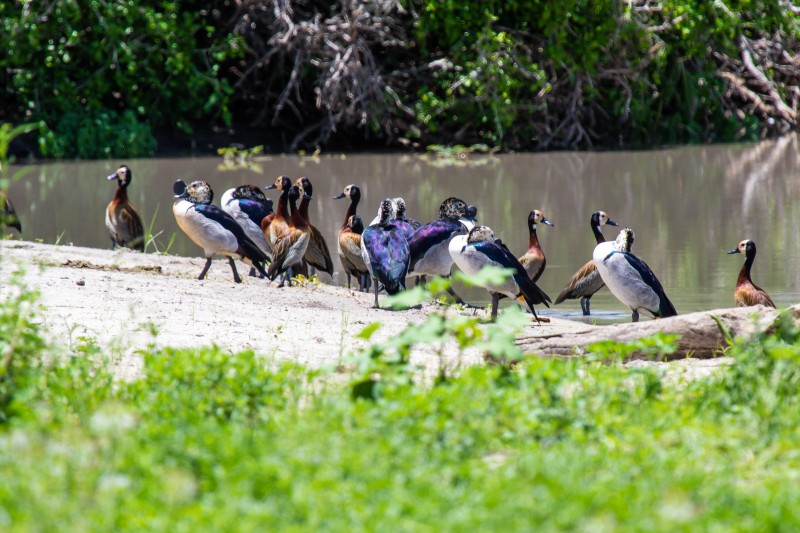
pixel 283 243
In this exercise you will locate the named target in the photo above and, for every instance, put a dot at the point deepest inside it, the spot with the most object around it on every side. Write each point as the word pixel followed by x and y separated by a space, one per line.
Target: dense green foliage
pixel 87 69
pixel 517 75
pixel 206 440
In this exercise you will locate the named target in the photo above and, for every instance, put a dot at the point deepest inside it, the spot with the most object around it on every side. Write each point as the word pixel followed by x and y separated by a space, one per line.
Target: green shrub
pixel 103 135
pixel 89 65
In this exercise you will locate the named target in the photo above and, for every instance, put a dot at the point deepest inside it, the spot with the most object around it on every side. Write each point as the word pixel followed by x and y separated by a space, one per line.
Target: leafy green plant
pixel 93 66
pixel 106 134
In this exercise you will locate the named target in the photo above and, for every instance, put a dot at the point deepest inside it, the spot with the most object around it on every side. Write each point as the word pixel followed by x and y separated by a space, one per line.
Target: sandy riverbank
pixel 117 298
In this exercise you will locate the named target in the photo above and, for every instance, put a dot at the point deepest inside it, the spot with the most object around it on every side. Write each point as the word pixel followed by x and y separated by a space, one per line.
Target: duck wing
pixel 665 306
pixel 498 253
pixel 430 235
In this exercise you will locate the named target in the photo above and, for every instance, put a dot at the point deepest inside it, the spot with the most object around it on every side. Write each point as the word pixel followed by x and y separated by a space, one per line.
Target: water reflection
pixel 687 205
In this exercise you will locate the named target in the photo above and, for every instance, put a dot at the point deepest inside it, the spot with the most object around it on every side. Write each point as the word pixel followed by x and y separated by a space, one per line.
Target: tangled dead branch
pixel 334 78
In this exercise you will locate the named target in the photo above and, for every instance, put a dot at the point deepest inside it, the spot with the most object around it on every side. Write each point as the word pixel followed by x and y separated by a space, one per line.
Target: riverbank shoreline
pixel 127 302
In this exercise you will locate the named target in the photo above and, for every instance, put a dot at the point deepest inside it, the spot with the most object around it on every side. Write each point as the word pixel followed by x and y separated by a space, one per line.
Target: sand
pixel 126 302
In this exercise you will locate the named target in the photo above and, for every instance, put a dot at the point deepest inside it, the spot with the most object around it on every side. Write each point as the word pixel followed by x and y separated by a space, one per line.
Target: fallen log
pixel 702 335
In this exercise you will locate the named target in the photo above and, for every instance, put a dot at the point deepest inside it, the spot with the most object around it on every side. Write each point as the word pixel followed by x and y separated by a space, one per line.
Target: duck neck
pixel 598 233
pixel 303 209
pixel 351 210
pixel 122 194
pixel 744 273
pixel 283 205
pixel 296 219
pixel 533 241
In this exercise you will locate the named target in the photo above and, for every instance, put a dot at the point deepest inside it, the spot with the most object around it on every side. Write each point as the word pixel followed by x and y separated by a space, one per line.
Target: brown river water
pixel 687 205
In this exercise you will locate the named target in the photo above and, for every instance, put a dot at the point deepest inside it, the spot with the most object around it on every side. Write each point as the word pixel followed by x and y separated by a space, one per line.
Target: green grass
pixel 208 440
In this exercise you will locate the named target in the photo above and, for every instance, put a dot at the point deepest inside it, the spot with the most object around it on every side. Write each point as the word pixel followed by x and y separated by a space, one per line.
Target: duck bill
pixel 545 221
pixel 734 251
pixel 611 222
pixel 307 196
pixel 112 176
pixel 339 196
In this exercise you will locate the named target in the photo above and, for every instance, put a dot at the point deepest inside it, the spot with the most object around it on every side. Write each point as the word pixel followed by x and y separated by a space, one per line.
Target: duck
pixel 123 221
pixel 274 224
pixel 386 252
pixel 8 217
pixel 291 245
pixel 630 279
pixel 748 293
pixel 479 248
pixel 429 244
pixel 349 240
pixel 586 281
pixel 317 255
pixel 214 230
pixel 248 205
pixel 533 260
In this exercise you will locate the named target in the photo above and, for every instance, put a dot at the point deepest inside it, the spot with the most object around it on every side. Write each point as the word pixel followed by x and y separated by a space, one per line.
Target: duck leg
pixel 205 268
pixel 236 278
pixel 635 316
pixel 495 302
pixel 585 306
pixel 452 293
pixel 252 273
pixel 348 280
pixel 376 294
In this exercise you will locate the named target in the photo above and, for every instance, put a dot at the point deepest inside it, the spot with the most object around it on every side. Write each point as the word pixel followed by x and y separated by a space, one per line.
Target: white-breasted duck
pixel 480 248
pixel 211 228
pixel 317 254
pixel 746 292
pixel 533 259
pixel 386 252
pixel 429 244
pixel 290 246
pixel 8 215
pixel 349 240
pixel 630 279
pixel 122 220
pixel 586 281
pixel 248 205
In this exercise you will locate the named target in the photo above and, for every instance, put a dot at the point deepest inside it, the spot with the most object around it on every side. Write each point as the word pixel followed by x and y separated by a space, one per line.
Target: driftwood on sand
pixel 701 334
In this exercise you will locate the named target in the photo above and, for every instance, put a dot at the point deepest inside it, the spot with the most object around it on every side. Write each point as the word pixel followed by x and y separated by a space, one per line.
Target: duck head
pixel 536 216
pixel 305 186
pixel 356 224
pixel 197 192
pixel 302 191
pixel 123 175
pixel 295 193
pixel 600 218
pixel 481 234
pixel 385 211
pixel 453 208
pixel 351 191
pixel 399 207
pixel 624 240
pixel 250 192
pixel 746 247
pixel 282 183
